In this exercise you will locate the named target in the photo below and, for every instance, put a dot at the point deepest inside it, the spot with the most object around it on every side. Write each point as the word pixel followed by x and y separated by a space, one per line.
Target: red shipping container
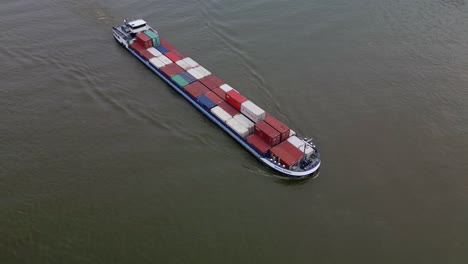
pixel 211 81
pixel 171 69
pixel 235 99
pixel 219 92
pixel 146 54
pixel 179 54
pixel 267 133
pixel 172 56
pixel 291 149
pixel 214 98
pixel 137 47
pixel 276 124
pixel 196 89
pixel 258 144
pixel 228 108
pixel 166 44
pixel 144 40
pixel 284 157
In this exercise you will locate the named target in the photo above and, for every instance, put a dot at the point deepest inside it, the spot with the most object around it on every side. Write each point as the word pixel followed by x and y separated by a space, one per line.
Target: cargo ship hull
pixel 311 171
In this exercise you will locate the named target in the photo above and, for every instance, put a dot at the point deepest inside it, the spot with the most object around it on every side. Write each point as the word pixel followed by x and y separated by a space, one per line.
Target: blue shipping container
pixel 187 77
pixel 162 49
pixel 206 102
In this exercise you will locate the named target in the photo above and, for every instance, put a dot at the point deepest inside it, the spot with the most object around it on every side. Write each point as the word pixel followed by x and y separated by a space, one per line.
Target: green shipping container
pixel 179 80
pixel 154 36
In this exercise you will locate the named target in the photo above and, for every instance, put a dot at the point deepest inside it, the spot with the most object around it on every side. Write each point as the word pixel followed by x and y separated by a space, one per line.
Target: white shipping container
pixel 156 62
pixel 245 121
pixel 226 87
pixel 184 65
pixel 220 113
pixel 238 127
pixel 154 51
pixel 202 71
pixel 195 74
pixel 164 59
pixel 190 62
pixel 252 111
pixel 295 141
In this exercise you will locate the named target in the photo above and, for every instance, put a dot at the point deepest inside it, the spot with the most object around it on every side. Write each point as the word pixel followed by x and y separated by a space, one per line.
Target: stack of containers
pixel 157 63
pixel 235 99
pixel 253 112
pixel 205 102
pixel 170 55
pixel 237 126
pixel 286 154
pixel 270 135
pixel 203 72
pixel 245 122
pixel 154 36
pixel 171 70
pixel 221 114
pixel 229 109
pixel 212 81
pixel 137 47
pixel 300 145
pixel 144 40
pixel 258 144
pixel 282 128
pixel 187 77
pixel 146 55
pixel 195 73
pixel 213 97
pixel 196 89
pixel 172 49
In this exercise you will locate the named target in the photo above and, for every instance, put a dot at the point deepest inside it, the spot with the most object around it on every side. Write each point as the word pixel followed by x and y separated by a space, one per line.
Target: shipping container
pixel 179 80
pixel 276 124
pixel 171 69
pixel 166 44
pixel 296 142
pixel 213 97
pixel 154 51
pixel 137 47
pixel 196 89
pixel 146 55
pixel 212 81
pixel 144 40
pixel 226 88
pixel 162 49
pixel 235 99
pixel 157 63
pixel 191 62
pixel 188 77
pixel 228 108
pixel 221 114
pixel 245 121
pixel 270 135
pixel 172 56
pixel 283 157
pixel 237 126
pixel 291 149
pixel 258 144
pixel 204 72
pixel 252 111
pixel 183 64
pixel 165 60
pixel 219 92
pixel 195 73
pixel 153 36
pixel 205 102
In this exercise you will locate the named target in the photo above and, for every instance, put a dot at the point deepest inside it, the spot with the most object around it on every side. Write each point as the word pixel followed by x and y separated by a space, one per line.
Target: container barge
pixel 272 142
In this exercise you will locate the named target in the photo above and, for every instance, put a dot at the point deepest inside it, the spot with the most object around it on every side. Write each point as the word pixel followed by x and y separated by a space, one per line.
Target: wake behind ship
pixel 265 137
